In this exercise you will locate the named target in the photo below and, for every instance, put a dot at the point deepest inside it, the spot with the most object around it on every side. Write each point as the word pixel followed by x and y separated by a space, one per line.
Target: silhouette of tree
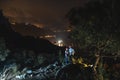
pixel 96 27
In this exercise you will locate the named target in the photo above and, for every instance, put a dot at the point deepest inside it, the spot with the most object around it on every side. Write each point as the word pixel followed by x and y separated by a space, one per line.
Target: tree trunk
pixel 95 66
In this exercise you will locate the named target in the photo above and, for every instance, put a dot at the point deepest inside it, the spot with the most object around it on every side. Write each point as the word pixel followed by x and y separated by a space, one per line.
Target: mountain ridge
pixel 15 40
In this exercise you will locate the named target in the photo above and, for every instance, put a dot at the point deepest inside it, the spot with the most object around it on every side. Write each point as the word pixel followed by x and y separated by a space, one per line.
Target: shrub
pixel 3 50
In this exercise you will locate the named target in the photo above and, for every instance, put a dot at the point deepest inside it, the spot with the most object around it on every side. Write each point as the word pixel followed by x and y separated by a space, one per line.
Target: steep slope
pixel 15 40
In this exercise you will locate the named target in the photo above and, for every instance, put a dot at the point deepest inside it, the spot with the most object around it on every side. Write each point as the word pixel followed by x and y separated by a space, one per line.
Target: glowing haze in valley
pixel 49 14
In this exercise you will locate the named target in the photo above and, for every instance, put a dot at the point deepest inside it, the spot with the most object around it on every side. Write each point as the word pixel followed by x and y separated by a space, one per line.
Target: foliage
pixel 80 61
pixel 41 59
pixel 96 26
pixel 61 57
pixel 3 50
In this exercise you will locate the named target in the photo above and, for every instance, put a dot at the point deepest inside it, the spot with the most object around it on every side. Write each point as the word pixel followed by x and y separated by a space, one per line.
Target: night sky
pixel 41 13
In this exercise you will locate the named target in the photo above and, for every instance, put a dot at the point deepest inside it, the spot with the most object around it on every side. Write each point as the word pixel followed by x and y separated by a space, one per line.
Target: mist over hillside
pixel 15 40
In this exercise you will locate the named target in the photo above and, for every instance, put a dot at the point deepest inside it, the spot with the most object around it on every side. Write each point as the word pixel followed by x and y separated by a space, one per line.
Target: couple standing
pixel 69 53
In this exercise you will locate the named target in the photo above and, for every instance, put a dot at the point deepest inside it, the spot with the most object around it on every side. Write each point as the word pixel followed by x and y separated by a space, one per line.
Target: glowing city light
pixel 60 42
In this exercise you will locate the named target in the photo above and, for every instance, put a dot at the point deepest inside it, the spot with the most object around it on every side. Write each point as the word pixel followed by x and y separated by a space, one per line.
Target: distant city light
pixel 68 30
pixel 60 42
pixel 48 36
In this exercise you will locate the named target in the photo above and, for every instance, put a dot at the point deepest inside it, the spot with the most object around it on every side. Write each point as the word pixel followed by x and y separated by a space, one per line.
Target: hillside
pixel 15 40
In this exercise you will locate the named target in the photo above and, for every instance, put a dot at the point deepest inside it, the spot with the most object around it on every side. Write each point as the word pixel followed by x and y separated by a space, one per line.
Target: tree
pixel 97 25
pixel 97 28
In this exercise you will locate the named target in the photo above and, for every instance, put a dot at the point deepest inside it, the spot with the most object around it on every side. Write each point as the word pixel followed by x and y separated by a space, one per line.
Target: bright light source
pixel 60 43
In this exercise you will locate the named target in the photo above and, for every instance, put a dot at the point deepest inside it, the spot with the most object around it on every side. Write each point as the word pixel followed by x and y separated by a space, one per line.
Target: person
pixel 66 55
pixel 71 53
